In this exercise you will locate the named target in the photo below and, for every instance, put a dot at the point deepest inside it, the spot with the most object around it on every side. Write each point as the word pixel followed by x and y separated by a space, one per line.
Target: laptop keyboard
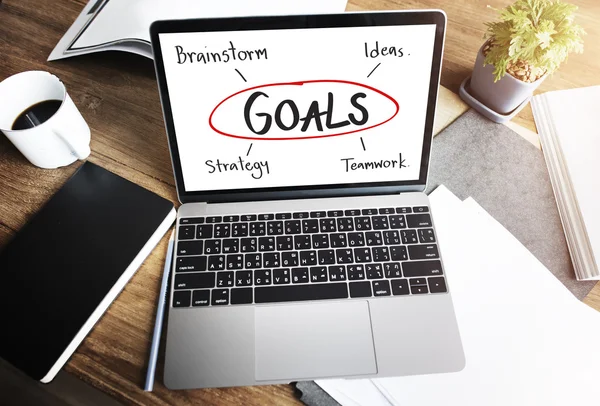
pixel 298 256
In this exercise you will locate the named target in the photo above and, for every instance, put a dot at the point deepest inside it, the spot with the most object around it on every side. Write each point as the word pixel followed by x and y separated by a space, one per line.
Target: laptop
pixel 305 244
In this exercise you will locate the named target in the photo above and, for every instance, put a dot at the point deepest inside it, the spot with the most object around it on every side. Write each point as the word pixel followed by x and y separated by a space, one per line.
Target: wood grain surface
pixel 118 97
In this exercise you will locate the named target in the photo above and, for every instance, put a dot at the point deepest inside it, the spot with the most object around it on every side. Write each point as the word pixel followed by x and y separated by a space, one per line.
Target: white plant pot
pixel 504 95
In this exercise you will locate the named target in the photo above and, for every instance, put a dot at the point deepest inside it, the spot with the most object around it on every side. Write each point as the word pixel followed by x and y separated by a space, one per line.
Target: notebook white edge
pixel 111 295
pixel 578 242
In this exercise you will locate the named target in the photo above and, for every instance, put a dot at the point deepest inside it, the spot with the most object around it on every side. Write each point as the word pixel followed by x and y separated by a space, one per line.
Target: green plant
pixel 533 38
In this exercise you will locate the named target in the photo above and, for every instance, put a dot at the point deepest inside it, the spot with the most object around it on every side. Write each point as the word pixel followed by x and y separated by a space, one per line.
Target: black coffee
pixel 36 114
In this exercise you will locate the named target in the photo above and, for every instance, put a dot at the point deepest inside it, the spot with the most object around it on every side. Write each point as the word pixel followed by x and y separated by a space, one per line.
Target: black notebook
pixel 63 269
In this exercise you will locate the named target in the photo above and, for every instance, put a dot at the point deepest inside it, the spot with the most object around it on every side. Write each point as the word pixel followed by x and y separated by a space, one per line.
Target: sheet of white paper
pixel 353 392
pixel 126 19
pixel 527 340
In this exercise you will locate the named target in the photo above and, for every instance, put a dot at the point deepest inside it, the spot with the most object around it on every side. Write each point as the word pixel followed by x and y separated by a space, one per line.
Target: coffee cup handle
pixel 79 150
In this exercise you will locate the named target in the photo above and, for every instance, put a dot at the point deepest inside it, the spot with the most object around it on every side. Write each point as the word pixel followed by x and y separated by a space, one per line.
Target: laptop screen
pixel 304 107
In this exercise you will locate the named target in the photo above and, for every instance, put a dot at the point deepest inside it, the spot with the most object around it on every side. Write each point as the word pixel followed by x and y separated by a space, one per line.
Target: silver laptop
pixel 305 244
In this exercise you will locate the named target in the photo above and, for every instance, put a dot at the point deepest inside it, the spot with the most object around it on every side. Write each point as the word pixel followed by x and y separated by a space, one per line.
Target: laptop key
pixel 356 239
pixel 299 275
pixel 417 281
pixel 420 209
pixel 182 298
pixel 186 232
pixel 192 220
pixel 387 210
pixel 302 242
pixel 362 223
pixel 253 261
pixel 281 276
pixel 354 212
pixel 295 293
pixel 344 256
pixel 418 220
pixel 243 278
pixel 285 243
pixel 391 237
pixel 212 247
pixel 204 231
pixel 427 251
pixel 293 227
pixel 381 288
pixel 335 213
pixel 369 212
pixel 326 257
pixel 191 264
pixel 362 255
pixel 216 262
pixel 220 297
pixel 308 258
pixel 317 214
pixel 356 272
pixel 345 224
pixel 380 222
pixel 397 221
pixel 373 238
pixel 249 217
pixel 214 219
pixel 272 259
pixel 327 225
pixel 225 279
pixel 235 261
pixel 266 244
pixel 222 230
pixel 241 295
pixel 189 247
pixel 262 277
pixel 392 270
pixel 239 230
pixel 409 236
pixel 360 289
pixel 418 290
pixel 337 273
pixel 275 227
pixel 258 228
pixel 320 241
pixel 201 297
pixel 426 235
pixel 318 274
pixel 301 215
pixel 398 253
pixel 283 216
pixel 399 287
pixel 422 268
pixel 231 219
pixel 265 217
pixel 374 271
pixel 338 240
pixel 200 280
pixel 249 244
pixel 437 284
pixel 230 246
pixel 289 258
pixel 403 210
pixel 310 226
pixel 380 254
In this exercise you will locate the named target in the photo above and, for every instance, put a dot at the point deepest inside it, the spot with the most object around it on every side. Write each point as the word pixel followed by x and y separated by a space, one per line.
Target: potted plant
pixel 531 40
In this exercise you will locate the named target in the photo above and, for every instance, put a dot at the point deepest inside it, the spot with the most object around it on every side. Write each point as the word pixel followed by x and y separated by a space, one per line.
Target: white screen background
pixel 296 55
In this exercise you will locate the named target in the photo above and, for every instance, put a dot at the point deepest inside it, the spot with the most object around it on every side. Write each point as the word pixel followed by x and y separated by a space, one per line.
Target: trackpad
pixel 303 341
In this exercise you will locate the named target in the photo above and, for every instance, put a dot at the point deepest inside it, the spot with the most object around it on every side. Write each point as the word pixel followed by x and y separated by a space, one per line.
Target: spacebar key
pixel 300 292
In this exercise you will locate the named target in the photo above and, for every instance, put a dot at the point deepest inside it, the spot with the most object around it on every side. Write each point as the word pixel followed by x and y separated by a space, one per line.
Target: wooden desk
pixel 118 97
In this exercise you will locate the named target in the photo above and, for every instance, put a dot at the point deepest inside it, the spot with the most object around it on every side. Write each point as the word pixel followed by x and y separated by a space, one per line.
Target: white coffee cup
pixel 58 141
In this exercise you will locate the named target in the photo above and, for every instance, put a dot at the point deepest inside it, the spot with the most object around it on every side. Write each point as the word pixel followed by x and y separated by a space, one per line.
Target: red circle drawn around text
pixel 210 123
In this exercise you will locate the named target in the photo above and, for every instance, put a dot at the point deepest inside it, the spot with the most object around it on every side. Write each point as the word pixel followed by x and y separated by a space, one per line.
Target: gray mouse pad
pixel 508 177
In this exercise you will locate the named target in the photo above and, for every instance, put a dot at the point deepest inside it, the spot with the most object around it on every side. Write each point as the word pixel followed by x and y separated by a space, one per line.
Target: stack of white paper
pixel 527 339
pixel 123 25
pixel 570 136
